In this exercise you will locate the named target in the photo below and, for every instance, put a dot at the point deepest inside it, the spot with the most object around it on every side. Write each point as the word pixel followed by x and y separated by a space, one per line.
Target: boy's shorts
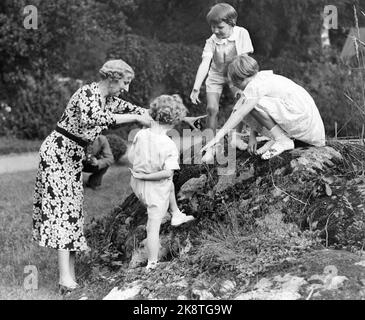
pixel 155 195
pixel 216 81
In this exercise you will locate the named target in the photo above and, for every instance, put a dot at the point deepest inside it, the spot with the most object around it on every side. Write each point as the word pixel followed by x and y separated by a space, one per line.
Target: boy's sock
pixel 179 218
pixel 282 143
pixel 151 265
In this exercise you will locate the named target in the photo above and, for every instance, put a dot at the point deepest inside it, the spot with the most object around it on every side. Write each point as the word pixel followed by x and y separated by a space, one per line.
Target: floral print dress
pixel 58 217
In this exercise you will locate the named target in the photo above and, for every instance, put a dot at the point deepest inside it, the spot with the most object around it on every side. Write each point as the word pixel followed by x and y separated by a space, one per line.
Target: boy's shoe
pixel 180 218
pixel 151 265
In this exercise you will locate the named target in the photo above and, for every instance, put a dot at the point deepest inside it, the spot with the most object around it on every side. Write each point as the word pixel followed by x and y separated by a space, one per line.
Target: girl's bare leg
pixel 281 142
pixel 267 122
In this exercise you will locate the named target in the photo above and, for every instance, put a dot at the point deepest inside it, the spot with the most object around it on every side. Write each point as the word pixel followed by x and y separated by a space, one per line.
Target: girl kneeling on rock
pixel 277 104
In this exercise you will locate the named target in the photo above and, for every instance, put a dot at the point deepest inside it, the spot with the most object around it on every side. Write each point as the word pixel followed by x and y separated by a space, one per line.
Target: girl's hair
pixel 222 12
pixel 168 109
pixel 242 67
pixel 116 70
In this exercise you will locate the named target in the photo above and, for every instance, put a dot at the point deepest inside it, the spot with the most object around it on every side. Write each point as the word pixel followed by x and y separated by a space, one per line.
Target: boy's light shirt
pixel 239 35
pixel 152 152
pixel 222 51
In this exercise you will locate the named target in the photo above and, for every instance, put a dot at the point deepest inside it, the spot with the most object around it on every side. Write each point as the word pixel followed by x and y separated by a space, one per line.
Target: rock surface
pixel 270 219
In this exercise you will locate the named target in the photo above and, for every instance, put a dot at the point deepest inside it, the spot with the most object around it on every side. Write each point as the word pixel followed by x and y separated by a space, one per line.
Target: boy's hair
pixel 222 12
pixel 168 109
pixel 242 67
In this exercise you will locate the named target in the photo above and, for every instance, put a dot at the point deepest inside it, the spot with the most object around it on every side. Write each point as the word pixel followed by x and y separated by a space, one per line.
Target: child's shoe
pixel 151 265
pixel 179 218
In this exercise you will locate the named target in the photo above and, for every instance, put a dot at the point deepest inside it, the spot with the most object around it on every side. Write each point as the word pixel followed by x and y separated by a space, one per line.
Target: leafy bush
pixel 160 68
pixel 117 145
pixel 36 108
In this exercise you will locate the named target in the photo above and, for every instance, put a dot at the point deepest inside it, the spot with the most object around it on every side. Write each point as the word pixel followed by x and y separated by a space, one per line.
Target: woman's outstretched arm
pixel 143 119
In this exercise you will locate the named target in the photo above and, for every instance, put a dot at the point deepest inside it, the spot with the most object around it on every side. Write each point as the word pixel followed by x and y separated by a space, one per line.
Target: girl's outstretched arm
pixel 242 108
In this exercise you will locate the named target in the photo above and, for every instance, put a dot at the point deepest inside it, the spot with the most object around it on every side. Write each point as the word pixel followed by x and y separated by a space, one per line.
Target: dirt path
pixel 19 162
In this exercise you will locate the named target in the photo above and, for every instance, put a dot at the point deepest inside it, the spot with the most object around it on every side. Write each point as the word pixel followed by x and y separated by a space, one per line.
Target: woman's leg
pixel 72 264
pixel 212 109
pixel 65 276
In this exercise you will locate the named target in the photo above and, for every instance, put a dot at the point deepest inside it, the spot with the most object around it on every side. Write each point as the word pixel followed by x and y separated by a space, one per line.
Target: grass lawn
pixel 13 145
pixel 17 249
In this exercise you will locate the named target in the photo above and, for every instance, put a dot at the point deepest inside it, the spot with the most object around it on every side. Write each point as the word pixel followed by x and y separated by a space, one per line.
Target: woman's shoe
pixel 64 290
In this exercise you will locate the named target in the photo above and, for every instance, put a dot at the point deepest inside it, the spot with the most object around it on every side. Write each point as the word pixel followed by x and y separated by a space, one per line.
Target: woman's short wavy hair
pixel 242 67
pixel 116 70
pixel 168 109
pixel 222 12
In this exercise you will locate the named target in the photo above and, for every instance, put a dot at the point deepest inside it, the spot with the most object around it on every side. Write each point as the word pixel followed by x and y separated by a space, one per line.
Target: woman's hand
pixel 137 175
pixel 145 119
pixel 252 144
pixel 194 96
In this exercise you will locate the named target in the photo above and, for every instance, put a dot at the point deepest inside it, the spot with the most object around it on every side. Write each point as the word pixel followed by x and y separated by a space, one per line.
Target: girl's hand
pixel 194 96
pixel 137 175
pixel 252 144
pixel 209 145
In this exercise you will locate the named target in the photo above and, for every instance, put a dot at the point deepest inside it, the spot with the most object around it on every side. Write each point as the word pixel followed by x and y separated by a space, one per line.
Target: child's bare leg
pixel 153 239
pixel 267 122
pixel 212 109
pixel 172 201
pixel 281 141
pixel 178 217
pixel 65 276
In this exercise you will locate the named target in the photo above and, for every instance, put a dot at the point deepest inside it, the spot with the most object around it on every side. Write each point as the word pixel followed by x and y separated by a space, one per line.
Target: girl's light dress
pixel 288 104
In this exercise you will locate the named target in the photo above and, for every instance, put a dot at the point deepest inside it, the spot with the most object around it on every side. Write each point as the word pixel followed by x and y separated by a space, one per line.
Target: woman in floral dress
pixel 58 216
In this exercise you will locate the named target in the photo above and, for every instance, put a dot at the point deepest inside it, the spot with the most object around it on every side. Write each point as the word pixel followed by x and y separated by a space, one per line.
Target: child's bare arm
pixel 156 176
pixel 200 76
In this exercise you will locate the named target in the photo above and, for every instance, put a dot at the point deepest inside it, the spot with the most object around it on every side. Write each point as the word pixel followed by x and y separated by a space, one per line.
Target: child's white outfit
pixel 152 152
pixel 288 104
pixel 220 53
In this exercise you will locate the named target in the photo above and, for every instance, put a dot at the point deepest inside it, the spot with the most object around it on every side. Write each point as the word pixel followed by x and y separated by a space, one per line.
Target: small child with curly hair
pixel 155 157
